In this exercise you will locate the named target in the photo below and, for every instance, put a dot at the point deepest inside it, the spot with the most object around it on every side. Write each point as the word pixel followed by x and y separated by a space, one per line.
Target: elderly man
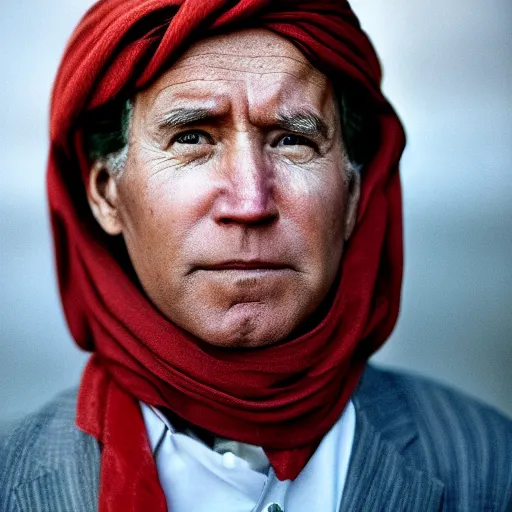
pixel 226 210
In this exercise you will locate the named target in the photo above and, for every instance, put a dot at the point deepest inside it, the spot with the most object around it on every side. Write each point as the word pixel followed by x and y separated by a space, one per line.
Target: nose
pixel 248 196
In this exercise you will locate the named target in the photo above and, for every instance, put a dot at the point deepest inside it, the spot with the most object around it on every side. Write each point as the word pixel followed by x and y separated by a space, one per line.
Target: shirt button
pixel 228 460
pixel 274 507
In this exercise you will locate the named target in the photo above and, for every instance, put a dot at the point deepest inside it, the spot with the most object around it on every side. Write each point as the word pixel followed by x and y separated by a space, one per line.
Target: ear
pixel 103 198
pixel 354 193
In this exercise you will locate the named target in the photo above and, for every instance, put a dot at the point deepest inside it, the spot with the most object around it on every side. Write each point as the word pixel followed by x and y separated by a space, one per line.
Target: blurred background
pixel 448 71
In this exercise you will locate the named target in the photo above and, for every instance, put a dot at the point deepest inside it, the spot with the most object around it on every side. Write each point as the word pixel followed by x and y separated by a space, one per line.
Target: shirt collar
pixel 158 425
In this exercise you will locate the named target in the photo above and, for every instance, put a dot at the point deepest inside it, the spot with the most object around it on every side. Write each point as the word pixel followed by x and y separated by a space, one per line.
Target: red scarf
pixel 285 397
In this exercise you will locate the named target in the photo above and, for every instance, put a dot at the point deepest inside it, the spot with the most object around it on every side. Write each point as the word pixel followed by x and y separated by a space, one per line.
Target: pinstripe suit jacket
pixel 418 447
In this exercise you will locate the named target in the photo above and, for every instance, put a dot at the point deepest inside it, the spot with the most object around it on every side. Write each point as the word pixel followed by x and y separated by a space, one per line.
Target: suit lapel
pixel 379 476
pixel 379 479
pixel 71 487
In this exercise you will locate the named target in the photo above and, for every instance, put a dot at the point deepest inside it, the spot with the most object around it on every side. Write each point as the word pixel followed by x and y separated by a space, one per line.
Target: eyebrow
pixel 304 122
pixel 184 116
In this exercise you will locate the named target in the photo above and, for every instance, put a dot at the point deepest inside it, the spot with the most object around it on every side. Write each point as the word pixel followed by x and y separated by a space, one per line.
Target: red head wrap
pixel 285 397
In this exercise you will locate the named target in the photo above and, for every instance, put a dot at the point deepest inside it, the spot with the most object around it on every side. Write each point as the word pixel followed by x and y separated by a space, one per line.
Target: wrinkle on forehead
pixel 253 65
pixel 197 75
pixel 250 51
pixel 248 42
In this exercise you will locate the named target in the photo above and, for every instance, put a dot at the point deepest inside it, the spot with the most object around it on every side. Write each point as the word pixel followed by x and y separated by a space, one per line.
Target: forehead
pixel 263 67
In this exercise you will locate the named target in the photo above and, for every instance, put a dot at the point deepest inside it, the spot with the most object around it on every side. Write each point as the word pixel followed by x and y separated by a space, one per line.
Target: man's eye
pixel 293 140
pixel 190 138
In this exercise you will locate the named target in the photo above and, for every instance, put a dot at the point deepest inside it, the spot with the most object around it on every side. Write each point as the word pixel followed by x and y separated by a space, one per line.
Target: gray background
pixel 448 70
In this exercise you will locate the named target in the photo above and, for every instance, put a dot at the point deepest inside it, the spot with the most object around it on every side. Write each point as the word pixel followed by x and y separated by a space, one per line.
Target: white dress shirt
pixel 237 477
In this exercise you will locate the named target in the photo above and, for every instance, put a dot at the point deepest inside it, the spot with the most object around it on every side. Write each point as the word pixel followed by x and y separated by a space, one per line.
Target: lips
pixel 245 265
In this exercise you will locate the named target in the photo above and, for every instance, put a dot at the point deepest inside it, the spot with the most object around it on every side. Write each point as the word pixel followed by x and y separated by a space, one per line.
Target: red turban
pixel 284 397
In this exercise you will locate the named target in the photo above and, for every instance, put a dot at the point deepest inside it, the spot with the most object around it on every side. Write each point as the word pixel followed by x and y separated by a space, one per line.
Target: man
pixel 226 210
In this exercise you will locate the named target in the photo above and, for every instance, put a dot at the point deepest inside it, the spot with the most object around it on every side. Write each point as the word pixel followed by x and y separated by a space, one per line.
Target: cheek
pixel 316 201
pixel 159 214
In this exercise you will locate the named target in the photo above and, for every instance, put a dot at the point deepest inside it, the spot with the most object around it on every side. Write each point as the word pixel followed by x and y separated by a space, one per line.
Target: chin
pixel 247 325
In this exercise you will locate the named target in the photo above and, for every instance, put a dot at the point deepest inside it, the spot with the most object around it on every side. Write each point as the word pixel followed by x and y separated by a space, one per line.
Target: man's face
pixel 234 202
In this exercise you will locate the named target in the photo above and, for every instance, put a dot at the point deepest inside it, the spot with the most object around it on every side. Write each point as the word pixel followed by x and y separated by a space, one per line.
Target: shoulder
pixel 462 442
pixel 39 444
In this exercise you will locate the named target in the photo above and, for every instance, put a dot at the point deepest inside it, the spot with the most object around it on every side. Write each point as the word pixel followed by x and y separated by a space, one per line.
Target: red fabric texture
pixel 284 397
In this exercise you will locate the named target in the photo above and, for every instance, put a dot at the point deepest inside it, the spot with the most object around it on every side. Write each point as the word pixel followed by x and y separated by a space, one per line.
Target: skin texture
pixel 235 200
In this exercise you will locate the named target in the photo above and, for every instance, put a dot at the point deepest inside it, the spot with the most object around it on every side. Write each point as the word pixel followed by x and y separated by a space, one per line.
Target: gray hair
pixel 107 134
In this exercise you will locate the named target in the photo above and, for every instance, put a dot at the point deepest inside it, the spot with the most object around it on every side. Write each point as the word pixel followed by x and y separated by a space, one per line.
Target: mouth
pixel 243 265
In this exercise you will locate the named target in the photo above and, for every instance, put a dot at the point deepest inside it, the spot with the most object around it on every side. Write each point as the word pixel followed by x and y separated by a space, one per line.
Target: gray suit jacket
pixel 418 447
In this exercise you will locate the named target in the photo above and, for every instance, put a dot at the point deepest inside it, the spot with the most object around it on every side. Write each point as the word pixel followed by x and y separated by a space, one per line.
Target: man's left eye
pixel 293 140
